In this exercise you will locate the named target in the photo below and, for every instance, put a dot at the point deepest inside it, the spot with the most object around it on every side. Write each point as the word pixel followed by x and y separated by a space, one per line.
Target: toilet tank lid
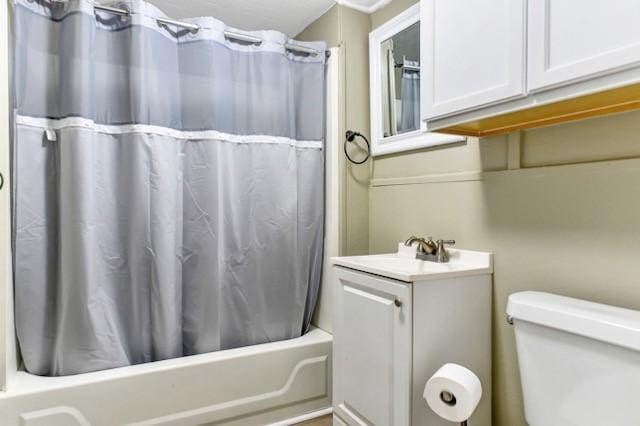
pixel 606 323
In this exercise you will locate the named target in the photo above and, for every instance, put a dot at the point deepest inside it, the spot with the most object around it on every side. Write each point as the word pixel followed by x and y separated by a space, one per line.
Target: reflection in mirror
pixel 400 63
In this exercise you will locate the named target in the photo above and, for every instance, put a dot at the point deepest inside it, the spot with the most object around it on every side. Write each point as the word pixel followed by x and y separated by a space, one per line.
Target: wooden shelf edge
pixel 614 101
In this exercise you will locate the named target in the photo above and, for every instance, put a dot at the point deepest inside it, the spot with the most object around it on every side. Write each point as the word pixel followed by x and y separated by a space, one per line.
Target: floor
pixel 320 421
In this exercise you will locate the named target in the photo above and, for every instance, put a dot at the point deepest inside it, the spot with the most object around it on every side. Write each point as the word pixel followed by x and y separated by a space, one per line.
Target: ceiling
pixel 287 16
pixel 367 6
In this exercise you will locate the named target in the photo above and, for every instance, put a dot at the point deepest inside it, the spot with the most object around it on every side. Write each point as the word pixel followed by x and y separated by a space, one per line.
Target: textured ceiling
pixel 287 16
pixel 367 6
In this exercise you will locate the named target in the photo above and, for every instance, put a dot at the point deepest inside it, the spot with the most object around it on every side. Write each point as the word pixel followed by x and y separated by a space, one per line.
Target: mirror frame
pixel 416 139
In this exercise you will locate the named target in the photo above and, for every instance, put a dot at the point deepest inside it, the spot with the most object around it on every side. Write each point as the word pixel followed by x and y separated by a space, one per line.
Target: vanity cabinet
pixel 373 335
pixel 393 331
pixel 496 66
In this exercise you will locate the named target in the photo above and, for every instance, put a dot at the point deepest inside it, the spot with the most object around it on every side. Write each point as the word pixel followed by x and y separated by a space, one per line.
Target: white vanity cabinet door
pixel 570 40
pixel 473 52
pixel 372 350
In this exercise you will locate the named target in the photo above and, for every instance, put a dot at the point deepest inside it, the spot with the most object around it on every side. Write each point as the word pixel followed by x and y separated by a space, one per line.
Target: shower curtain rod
pixel 195 28
pixel 408 67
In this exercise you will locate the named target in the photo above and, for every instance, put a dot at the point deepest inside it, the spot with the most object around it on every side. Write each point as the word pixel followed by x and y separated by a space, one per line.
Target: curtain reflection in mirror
pixel 400 71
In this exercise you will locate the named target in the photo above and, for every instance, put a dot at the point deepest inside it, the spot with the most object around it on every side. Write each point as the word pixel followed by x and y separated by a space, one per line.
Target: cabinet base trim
pixel 612 101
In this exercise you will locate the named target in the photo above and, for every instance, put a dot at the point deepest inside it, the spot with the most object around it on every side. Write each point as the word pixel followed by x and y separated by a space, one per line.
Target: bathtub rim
pixel 26 383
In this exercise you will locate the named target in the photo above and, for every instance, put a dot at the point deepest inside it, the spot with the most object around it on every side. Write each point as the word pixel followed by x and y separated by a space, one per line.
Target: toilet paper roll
pixel 453 392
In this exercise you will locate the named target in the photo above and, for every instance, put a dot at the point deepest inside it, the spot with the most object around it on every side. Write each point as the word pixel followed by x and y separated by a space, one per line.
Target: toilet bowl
pixel 579 361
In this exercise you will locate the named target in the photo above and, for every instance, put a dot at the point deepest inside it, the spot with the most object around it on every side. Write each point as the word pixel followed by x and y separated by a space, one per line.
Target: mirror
pixel 398 70
pixel 400 79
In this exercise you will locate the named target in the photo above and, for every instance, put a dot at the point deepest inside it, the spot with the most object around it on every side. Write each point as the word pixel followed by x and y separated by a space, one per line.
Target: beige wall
pixel 392 9
pixel 567 222
pixel 349 29
pixel 559 207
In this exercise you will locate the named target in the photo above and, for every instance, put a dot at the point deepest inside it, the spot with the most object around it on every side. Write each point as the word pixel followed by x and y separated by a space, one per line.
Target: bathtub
pixel 275 383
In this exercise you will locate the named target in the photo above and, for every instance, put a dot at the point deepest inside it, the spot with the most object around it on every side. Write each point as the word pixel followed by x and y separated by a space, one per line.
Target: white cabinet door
pixel 372 350
pixel 570 40
pixel 473 52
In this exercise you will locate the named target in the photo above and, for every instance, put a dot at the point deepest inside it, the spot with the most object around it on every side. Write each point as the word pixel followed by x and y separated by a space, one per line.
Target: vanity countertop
pixel 461 263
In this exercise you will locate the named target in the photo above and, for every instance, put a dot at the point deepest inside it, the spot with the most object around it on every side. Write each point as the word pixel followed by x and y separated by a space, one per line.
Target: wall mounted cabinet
pixel 474 54
pixel 496 66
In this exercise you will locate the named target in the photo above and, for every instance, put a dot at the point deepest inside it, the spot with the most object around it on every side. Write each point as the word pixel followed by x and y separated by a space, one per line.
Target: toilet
pixel 579 361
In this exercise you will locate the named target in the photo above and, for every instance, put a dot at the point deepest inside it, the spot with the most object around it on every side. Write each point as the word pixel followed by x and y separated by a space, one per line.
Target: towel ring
pixel 350 137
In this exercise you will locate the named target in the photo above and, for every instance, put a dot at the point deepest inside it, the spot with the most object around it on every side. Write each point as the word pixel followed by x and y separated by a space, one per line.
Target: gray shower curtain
pixel 410 98
pixel 168 187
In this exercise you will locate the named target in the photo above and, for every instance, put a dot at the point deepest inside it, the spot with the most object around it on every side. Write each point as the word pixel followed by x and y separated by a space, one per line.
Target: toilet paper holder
pixel 450 399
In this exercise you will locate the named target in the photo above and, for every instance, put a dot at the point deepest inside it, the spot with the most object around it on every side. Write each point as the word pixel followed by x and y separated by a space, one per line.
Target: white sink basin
pixel 461 263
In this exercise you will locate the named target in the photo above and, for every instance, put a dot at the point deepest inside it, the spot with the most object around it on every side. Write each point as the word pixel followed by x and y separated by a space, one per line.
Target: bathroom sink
pixel 461 263
pixel 393 261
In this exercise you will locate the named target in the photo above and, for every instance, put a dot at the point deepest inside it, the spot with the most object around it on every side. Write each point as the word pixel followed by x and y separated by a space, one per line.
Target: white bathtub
pixel 273 383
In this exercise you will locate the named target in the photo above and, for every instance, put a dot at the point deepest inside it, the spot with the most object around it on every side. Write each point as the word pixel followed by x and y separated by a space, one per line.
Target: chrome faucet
pixel 429 250
pixel 424 246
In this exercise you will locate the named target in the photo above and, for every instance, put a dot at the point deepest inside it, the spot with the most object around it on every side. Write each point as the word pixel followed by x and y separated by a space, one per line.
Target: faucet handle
pixel 441 254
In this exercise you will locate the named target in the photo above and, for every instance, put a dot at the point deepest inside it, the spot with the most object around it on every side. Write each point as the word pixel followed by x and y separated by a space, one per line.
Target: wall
pixel 559 207
pixel 349 29
pixel 394 8
pixel 567 222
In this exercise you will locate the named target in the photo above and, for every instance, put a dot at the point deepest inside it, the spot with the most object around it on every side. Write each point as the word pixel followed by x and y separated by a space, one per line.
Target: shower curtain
pixel 410 98
pixel 389 121
pixel 168 187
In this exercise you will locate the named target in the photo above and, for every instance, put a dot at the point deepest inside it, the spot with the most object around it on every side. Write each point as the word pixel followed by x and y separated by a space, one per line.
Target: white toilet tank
pixel 579 361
